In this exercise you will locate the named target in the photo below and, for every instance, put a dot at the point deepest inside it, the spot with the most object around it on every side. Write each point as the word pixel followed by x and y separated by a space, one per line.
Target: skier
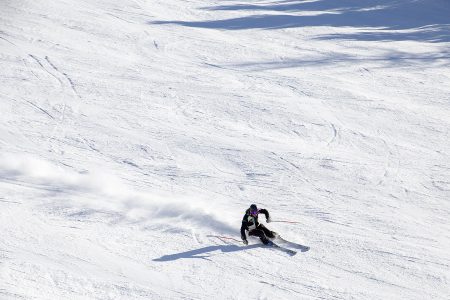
pixel 250 223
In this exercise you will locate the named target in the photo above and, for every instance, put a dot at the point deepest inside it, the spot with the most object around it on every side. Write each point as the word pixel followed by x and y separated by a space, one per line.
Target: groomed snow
pixel 134 133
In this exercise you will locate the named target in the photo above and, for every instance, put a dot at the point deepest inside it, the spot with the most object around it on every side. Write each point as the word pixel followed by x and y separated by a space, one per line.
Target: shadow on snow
pixel 204 252
pixel 390 59
pixel 376 20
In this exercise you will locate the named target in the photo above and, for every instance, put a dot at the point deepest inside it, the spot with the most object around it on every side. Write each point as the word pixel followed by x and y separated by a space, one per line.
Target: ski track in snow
pixel 134 134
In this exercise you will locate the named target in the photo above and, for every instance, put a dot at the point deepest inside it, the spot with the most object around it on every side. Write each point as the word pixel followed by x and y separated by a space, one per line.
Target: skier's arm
pixel 244 227
pixel 265 212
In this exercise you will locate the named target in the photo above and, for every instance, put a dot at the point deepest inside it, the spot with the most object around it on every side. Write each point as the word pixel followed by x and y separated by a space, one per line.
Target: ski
pixel 271 244
pixel 281 248
pixel 302 248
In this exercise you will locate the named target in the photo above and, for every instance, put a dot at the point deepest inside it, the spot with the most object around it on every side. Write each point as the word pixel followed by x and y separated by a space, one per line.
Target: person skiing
pixel 254 228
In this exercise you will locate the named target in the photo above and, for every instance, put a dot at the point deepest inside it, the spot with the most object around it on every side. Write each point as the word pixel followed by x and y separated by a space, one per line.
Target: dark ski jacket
pixel 250 222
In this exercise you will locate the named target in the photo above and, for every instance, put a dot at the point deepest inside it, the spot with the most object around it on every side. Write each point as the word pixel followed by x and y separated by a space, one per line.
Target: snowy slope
pixel 133 132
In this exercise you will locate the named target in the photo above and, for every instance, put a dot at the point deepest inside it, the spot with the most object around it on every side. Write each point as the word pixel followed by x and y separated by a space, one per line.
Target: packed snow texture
pixel 134 134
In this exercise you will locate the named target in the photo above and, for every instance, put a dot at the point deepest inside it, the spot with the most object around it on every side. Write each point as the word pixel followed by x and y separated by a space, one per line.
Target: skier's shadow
pixel 204 252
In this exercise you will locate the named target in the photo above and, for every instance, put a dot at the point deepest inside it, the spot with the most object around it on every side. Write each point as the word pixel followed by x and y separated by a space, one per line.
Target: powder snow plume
pixel 100 190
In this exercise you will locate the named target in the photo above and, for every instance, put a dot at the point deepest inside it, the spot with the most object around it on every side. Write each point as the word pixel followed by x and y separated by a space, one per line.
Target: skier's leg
pixel 270 234
pixel 259 233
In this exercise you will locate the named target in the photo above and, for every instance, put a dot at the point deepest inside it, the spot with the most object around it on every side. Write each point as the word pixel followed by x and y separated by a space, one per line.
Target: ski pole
pixel 284 221
pixel 224 237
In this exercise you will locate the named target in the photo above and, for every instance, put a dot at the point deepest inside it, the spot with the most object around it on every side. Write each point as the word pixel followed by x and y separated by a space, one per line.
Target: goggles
pixel 254 212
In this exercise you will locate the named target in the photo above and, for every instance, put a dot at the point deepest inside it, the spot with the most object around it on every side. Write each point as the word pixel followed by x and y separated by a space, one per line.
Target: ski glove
pixel 245 242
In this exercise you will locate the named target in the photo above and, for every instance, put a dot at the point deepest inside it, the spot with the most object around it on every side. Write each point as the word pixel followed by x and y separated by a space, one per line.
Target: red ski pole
pixel 284 221
pixel 225 237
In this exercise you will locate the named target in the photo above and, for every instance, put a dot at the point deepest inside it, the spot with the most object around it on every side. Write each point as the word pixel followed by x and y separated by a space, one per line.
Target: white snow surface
pixel 133 133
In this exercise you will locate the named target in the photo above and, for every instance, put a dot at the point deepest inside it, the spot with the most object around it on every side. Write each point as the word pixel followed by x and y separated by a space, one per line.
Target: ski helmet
pixel 253 209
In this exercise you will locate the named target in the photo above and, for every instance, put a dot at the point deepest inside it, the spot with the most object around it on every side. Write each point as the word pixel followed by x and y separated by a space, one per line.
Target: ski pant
pixel 263 233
